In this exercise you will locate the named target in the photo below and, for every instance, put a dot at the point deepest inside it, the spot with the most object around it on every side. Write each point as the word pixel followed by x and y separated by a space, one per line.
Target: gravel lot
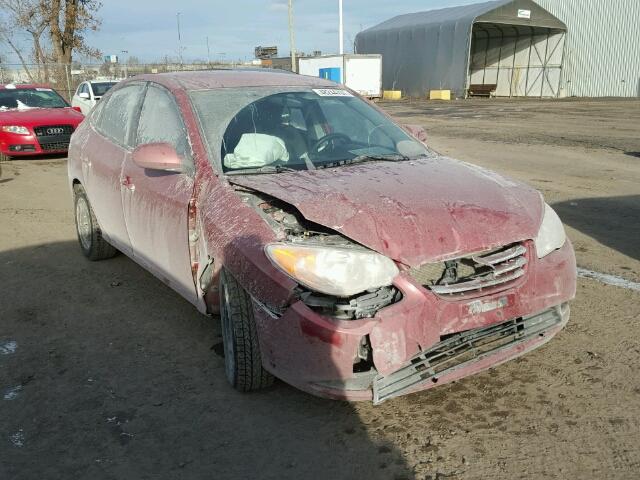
pixel 106 373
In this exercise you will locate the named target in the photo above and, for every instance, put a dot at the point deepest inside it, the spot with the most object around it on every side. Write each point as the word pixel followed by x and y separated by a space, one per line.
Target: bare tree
pixel 29 15
pixel 7 33
pixel 68 21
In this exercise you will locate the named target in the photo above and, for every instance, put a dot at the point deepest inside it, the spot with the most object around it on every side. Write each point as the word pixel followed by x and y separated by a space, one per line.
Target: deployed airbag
pixel 256 150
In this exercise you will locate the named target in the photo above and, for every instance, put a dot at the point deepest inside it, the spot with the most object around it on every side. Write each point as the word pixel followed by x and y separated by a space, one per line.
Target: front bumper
pixel 469 352
pixel 317 354
pixel 28 145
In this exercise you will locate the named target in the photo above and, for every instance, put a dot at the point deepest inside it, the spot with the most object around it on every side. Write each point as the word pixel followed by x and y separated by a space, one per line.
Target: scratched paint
pixel 607 279
pixel 17 439
pixel 7 348
pixel 12 393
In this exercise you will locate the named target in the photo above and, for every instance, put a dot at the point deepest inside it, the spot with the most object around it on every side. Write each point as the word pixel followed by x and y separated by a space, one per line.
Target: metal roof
pixel 490 12
pixel 430 50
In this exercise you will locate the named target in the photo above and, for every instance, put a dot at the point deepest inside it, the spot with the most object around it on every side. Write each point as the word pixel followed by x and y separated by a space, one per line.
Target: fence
pixel 65 78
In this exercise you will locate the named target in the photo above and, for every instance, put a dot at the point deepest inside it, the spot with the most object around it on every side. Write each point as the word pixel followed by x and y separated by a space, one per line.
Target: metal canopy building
pixel 515 45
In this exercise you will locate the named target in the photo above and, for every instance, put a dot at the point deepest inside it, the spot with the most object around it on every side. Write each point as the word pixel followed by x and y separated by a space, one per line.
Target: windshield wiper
pixel 393 157
pixel 261 170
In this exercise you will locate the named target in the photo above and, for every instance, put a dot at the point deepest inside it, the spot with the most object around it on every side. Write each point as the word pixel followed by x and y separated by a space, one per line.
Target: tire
pixel 92 243
pixel 242 360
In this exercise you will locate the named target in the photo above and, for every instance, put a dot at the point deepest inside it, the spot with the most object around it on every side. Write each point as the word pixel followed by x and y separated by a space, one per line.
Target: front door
pixel 156 203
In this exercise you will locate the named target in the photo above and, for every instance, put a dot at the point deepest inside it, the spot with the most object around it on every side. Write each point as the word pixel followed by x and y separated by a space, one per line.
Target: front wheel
pixel 92 243
pixel 242 359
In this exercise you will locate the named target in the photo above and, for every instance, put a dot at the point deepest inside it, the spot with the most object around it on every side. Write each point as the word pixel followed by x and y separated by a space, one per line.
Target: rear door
pixel 102 161
pixel 156 203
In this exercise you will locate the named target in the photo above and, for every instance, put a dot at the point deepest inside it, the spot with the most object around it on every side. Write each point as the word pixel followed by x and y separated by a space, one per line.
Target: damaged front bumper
pixel 422 340
pixel 469 352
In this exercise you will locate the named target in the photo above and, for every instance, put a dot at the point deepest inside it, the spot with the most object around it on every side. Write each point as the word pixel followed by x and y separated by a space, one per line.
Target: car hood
pixel 414 212
pixel 41 116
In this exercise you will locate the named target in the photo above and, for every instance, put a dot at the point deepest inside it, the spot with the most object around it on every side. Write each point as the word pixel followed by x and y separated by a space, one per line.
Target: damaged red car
pixel 343 255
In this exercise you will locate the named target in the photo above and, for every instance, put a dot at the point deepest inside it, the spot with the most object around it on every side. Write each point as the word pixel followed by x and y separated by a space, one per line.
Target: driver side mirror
pixel 84 95
pixel 417 131
pixel 157 156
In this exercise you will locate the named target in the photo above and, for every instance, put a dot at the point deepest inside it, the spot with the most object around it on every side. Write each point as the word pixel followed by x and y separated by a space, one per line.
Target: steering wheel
pixel 332 137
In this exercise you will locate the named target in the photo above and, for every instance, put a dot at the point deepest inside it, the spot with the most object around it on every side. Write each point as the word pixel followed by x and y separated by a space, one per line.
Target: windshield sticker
pixel 44 89
pixel 332 92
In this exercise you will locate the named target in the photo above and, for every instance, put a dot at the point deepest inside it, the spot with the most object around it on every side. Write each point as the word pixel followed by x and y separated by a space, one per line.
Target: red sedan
pixel 34 120
pixel 344 256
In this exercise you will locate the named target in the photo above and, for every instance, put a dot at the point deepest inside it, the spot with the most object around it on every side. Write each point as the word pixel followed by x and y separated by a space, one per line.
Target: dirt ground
pixel 105 373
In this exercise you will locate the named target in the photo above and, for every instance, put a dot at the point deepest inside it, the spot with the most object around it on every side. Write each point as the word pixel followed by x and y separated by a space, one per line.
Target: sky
pixel 147 29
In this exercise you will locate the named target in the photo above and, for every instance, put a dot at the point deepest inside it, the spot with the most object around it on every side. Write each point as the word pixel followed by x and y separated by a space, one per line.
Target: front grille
pixel 474 274
pixel 462 349
pixel 54 137
pixel 53 130
pixel 51 147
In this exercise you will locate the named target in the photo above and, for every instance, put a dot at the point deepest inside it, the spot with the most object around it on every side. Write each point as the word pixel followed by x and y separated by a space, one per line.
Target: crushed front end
pixel 435 324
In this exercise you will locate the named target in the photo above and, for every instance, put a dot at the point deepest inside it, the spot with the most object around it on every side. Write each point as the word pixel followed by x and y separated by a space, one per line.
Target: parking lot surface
pixel 107 373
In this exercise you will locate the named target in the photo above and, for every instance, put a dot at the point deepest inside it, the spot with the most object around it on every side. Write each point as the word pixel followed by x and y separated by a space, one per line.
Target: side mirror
pixel 417 131
pixel 157 156
pixel 84 95
pixel 77 109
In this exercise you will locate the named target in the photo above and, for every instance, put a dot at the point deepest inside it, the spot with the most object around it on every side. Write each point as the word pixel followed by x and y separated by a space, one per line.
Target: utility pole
pixel 292 39
pixel 341 28
pixel 208 53
pixel 126 63
pixel 179 39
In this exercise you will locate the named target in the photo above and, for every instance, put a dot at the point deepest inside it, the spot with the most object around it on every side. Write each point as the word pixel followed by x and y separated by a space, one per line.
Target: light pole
pixel 208 53
pixel 126 63
pixel 341 28
pixel 292 39
pixel 179 38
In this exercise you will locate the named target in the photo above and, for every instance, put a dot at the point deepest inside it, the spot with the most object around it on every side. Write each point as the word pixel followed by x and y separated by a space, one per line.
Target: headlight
pixel 551 235
pixel 16 129
pixel 332 270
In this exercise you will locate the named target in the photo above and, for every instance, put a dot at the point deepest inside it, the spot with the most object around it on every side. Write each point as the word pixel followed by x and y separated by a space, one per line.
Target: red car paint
pixel 36 117
pixel 413 212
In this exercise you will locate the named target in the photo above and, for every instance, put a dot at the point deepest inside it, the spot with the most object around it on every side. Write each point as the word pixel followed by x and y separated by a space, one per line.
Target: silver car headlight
pixel 551 235
pixel 342 272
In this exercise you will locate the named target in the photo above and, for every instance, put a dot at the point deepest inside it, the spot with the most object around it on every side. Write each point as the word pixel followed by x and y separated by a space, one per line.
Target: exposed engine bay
pixel 291 226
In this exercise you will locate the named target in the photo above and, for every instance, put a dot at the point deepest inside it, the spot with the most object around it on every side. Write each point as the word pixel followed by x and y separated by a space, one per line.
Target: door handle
pixel 126 182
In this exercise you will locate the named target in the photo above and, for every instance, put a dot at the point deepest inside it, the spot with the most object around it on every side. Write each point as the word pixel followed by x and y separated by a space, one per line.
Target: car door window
pixel 160 121
pixel 117 119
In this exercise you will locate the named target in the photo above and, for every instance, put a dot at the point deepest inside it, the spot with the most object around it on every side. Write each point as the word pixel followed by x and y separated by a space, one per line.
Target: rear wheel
pixel 242 359
pixel 92 243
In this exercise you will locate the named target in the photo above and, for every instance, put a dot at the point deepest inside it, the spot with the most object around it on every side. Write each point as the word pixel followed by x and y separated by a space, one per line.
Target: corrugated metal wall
pixel 602 53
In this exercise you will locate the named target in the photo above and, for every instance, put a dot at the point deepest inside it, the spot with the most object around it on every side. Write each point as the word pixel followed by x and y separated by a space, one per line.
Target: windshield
pixel 297 128
pixel 31 98
pixel 99 89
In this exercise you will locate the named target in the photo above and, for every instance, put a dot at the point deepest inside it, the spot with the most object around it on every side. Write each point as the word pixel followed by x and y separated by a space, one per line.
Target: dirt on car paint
pixel 107 373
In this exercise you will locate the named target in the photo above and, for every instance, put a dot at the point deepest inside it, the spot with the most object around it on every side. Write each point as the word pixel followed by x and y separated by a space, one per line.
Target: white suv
pixel 88 94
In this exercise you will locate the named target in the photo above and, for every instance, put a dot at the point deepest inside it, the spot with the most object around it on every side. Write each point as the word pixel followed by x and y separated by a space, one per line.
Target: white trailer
pixel 362 73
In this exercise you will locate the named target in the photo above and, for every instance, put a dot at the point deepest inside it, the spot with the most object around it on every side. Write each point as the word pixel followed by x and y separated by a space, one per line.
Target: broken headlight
pixel 551 235
pixel 342 272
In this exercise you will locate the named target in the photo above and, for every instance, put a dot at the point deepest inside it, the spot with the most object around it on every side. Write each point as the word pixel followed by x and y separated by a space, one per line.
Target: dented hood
pixel 412 211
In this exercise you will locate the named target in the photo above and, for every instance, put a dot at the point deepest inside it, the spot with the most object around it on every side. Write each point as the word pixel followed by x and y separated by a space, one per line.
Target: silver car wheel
pixel 83 223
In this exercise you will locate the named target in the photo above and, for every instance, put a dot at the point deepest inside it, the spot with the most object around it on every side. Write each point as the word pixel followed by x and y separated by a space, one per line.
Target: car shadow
pixel 612 221
pixel 115 376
